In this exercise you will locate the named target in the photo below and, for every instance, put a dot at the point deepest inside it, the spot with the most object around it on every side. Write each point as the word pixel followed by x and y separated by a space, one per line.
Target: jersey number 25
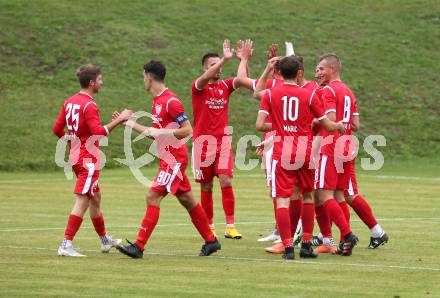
pixel 72 116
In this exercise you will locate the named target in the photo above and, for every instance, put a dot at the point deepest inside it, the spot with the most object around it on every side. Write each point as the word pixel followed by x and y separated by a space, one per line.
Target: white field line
pixel 25 229
pixel 261 260
pixel 51 179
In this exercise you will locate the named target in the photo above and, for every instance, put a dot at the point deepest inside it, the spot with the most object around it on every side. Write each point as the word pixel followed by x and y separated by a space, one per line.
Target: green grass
pixel 389 51
pixel 408 266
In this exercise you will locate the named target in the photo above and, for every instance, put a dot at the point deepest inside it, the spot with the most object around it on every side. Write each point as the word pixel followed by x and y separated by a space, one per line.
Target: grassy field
pixel 390 59
pixel 389 51
pixel 34 207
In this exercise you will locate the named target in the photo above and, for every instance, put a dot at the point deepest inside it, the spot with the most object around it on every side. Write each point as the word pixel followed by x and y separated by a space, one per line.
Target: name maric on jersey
pixel 214 103
pixel 289 128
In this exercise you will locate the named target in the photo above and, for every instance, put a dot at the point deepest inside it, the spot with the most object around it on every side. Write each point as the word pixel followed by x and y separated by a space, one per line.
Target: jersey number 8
pixel 347 108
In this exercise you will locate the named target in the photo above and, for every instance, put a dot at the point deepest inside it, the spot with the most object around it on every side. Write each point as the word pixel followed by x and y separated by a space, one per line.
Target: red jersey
pixel 80 115
pixel 210 108
pixel 337 97
pixel 310 85
pixel 292 109
pixel 168 112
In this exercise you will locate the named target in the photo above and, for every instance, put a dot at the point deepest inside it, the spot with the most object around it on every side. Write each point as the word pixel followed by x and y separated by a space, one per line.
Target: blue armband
pixel 181 118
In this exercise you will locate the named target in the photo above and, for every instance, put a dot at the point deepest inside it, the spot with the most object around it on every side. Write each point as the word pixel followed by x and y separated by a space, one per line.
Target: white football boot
pixel 107 242
pixel 68 251
pixel 273 236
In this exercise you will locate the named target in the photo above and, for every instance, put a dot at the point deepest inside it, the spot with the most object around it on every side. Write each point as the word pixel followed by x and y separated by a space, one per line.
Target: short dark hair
pixel 156 69
pixel 332 59
pixel 209 55
pixel 87 73
pixel 289 67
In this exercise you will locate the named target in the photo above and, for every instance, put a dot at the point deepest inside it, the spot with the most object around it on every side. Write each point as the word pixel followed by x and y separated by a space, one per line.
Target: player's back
pixel 79 114
pixel 338 98
pixel 345 103
pixel 291 115
pixel 75 108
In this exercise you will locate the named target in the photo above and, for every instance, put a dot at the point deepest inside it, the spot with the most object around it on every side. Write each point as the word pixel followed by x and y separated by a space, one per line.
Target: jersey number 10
pixel 290 112
pixel 72 116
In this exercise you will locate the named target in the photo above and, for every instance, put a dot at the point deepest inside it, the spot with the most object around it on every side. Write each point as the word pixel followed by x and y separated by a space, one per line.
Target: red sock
pixel 308 221
pixel 337 216
pixel 148 223
pixel 207 204
pixel 283 220
pixel 295 209
pixel 275 212
pixel 324 223
pixel 228 200
pixel 200 221
pixel 346 211
pixel 98 223
pixel 363 210
pixel 73 224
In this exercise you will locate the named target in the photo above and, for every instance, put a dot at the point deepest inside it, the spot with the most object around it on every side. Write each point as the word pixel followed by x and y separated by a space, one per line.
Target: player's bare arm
pixel 211 72
pixel 356 123
pixel 183 131
pixel 260 88
pixel 244 53
pixel 330 125
pixel 261 124
pixel 124 116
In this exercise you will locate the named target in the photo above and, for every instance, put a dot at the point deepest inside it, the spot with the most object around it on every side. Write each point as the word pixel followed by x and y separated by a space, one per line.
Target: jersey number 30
pixel 72 116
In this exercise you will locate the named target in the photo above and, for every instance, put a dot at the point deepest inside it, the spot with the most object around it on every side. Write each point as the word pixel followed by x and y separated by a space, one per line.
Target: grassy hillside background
pixel 389 51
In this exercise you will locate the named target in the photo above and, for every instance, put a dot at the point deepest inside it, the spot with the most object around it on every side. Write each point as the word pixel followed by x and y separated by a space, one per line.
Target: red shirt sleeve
pixel 194 88
pixel 328 100
pixel 265 102
pixel 355 108
pixel 230 84
pixel 175 107
pixel 60 123
pixel 316 107
pixel 91 116
pixel 270 84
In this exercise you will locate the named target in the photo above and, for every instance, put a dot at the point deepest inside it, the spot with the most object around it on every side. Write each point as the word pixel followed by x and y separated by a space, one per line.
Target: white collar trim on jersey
pixel 86 94
pixel 162 92
pixel 293 84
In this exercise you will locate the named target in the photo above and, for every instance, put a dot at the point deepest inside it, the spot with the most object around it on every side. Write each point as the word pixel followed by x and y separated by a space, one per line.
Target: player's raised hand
pixel 289 49
pixel 247 49
pixel 239 49
pixel 273 51
pixel 228 53
pixel 271 63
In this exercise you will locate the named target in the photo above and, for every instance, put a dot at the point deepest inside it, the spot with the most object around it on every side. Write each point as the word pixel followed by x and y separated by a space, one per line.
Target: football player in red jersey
pixel 296 202
pixel 292 109
pixel 351 194
pixel 80 115
pixel 170 126
pixel 212 150
pixel 332 175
